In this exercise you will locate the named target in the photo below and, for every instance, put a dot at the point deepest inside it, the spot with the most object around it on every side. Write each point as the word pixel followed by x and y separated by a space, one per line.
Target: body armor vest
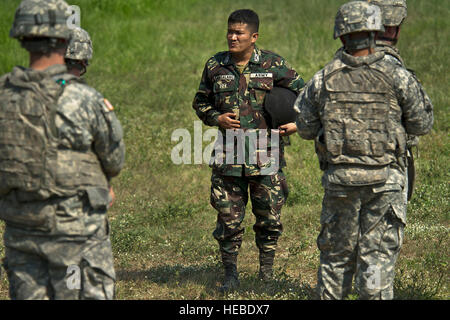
pixel 30 161
pixel 356 116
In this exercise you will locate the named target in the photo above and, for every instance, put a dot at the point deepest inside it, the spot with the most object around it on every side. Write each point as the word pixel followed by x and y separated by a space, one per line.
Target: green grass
pixel 148 59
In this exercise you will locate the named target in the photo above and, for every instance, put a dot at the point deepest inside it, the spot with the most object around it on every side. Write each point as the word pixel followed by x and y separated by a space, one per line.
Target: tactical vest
pixel 356 121
pixel 30 161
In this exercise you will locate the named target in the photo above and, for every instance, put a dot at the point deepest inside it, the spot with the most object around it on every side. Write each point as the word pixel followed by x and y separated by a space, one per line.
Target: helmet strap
pixel 77 64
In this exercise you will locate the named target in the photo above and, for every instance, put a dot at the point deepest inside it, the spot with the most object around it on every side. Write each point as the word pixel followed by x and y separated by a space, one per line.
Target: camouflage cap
pixel 393 11
pixel 41 18
pixel 80 45
pixel 357 16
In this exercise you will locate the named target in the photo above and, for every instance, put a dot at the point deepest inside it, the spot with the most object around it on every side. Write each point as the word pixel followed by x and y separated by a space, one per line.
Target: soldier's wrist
pixel 214 119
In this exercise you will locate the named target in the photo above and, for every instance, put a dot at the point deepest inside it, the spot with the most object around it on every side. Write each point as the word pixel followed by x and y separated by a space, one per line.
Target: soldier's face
pixel 240 38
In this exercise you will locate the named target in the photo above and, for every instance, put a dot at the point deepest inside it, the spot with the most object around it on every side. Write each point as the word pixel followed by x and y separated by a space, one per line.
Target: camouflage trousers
pixel 361 236
pixel 229 196
pixel 72 261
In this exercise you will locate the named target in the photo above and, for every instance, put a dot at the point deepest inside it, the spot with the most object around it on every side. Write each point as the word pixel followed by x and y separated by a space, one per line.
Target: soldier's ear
pixel 255 36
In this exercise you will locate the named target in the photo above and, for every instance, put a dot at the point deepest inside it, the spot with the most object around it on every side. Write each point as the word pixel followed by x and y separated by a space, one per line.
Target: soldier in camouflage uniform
pixel 79 52
pixel 231 96
pixel 362 105
pixel 394 13
pixel 78 55
pixel 60 145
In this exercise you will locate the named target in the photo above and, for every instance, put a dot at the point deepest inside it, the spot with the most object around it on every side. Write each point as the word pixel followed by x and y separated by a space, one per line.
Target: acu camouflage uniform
pixel 43 237
pixel 394 13
pixel 362 108
pixel 224 89
pixel 60 144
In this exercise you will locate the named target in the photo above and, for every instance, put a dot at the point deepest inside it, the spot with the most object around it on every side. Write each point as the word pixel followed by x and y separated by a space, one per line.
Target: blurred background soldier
pixel 60 144
pixel 78 56
pixel 79 52
pixel 394 13
pixel 363 105
pixel 231 96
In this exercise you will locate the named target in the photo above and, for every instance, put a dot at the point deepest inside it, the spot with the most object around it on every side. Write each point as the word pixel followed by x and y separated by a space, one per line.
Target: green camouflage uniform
pixel 363 213
pixel 223 89
pixel 60 144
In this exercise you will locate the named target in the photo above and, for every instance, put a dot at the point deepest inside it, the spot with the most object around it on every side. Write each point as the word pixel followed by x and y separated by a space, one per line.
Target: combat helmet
pixel 394 12
pixel 278 104
pixel 358 16
pixel 41 24
pixel 79 51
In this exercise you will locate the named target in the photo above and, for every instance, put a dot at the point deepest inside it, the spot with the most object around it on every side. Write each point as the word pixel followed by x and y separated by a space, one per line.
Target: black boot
pixel 231 281
pixel 266 265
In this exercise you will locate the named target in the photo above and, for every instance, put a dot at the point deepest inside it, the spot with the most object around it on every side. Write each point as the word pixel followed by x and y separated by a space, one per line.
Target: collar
pixel 352 61
pixel 255 58
pixel 27 74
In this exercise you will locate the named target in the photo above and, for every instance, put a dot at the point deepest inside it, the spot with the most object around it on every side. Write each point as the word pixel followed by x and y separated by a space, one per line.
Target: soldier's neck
pixel 39 61
pixel 242 58
pixel 362 52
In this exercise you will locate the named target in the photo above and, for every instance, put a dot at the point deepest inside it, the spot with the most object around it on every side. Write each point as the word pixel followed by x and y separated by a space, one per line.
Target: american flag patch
pixel 108 105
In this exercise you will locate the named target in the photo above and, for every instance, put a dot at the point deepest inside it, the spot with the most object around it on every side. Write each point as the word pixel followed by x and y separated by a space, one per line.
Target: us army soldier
pixel 78 55
pixel 394 13
pixel 363 106
pixel 79 52
pixel 60 145
pixel 231 96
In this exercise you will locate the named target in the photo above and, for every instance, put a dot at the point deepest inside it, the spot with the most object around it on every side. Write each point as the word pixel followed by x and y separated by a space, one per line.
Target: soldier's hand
pixel 288 129
pixel 227 121
pixel 113 197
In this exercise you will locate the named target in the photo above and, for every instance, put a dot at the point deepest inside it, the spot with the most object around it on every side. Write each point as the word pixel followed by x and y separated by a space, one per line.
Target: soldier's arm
pixel 203 103
pixel 108 139
pixel 307 108
pixel 285 76
pixel 416 105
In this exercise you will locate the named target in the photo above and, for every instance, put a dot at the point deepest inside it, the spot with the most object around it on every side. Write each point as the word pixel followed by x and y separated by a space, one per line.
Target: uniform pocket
pixel 223 89
pixel 70 216
pixel 392 238
pixel 98 198
pixel 260 86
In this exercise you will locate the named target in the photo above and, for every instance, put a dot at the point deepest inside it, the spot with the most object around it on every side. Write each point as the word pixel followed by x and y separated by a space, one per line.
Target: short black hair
pixel 246 16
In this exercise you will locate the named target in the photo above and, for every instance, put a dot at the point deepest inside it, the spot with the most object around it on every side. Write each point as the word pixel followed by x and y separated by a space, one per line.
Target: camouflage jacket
pixel 88 136
pixel 393 54
pixel 223 89
pixel 390 50
pixel 408 113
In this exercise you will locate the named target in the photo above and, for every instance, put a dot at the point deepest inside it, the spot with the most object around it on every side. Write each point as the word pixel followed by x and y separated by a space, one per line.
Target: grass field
pixel 148 59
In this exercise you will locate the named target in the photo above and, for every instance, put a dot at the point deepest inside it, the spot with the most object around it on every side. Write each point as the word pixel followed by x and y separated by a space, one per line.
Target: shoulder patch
pixel 108 105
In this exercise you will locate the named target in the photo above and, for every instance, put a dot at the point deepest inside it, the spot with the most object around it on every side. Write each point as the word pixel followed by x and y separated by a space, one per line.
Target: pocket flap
pixel 98 198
